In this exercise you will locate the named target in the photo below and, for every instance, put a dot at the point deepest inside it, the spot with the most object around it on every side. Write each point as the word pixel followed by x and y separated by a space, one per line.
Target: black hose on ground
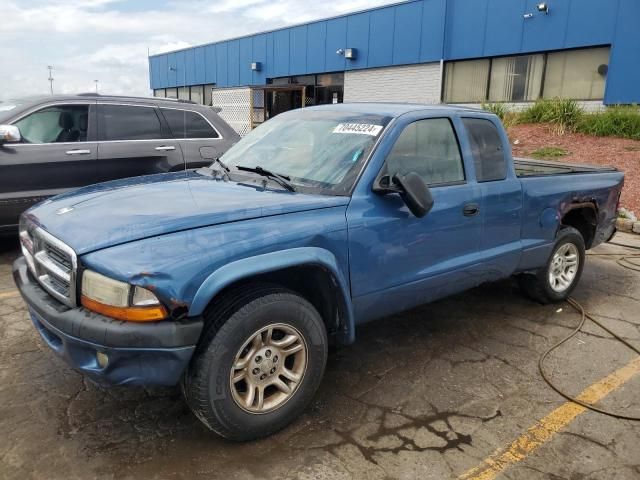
pixel 626 262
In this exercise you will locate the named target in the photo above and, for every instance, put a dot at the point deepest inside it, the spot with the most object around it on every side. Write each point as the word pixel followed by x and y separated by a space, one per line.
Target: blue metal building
pixel 459 51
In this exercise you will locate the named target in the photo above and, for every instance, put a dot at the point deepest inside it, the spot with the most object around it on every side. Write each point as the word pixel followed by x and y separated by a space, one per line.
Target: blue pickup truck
pixel 234 279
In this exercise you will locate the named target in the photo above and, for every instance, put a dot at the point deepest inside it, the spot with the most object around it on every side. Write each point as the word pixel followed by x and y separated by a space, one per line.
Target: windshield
pixel 322 150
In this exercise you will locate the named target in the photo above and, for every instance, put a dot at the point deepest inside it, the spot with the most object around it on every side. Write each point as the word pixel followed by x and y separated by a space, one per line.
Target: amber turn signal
pixel 129 314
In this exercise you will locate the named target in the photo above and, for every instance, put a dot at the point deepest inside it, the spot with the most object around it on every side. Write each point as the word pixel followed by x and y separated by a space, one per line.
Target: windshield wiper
pixel 281 179
pixel 222 164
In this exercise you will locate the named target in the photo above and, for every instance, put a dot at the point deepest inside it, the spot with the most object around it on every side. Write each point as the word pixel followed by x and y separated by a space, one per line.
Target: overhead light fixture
pixel 256 66
pixel 544 8
pixel 340 51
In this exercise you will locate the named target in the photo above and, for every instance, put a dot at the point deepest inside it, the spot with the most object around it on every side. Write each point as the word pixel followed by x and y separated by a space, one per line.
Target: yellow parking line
pixel 544 430
pixel 9 294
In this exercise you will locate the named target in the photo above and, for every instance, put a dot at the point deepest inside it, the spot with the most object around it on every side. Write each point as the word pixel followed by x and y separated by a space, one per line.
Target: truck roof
pixel 394 109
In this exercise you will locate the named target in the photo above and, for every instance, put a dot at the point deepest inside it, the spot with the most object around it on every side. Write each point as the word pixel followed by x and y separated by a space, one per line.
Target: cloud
pixel 108 40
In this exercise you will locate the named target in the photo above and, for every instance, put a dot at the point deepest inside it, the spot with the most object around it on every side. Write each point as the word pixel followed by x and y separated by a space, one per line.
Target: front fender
pixel 270 262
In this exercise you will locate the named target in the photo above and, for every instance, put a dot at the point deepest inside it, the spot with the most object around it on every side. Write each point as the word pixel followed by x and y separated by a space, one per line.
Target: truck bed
pixel 526 167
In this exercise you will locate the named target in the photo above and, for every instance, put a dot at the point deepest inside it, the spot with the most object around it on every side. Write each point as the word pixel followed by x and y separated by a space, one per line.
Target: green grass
pixel 617 121
pixel 549 153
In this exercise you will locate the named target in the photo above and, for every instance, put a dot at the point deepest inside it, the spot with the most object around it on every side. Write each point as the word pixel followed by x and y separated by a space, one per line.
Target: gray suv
pixel 52 144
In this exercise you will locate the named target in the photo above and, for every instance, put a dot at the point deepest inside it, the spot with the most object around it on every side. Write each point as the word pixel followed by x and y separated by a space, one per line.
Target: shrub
pixel 618 121
pixel 501 110
pixel 563 113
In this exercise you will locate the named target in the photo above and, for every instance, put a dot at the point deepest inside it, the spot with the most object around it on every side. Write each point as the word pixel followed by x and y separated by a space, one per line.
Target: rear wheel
pixel 562 273
pixel 259 363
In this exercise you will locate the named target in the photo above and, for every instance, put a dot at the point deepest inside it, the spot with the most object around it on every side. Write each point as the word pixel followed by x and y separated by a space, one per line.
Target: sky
pixel 108 40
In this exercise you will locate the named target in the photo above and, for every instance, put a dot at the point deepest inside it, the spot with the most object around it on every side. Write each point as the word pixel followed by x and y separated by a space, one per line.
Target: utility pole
pixel 50 78
pixel 96 85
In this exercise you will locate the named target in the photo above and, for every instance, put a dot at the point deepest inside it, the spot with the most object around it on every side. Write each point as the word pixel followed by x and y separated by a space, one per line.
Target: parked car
pixel 234 279
pixel 51 144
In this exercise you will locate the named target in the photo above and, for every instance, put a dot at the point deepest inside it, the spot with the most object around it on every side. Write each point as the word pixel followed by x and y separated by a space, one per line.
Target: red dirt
pixel 621 153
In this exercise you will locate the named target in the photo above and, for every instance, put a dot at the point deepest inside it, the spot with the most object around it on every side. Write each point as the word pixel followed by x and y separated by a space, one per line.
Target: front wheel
pixel 559 277
pixel 258 365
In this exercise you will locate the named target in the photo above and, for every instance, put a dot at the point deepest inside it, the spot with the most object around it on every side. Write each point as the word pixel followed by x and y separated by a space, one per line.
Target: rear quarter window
pixel 188 124
pixel 487 149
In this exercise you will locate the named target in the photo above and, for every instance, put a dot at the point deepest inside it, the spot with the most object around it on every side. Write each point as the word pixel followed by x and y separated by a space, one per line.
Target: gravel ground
pixel 617 152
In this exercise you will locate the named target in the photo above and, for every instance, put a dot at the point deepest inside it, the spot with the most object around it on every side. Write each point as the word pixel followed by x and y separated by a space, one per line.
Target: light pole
pixel 50 78
pixel 96 85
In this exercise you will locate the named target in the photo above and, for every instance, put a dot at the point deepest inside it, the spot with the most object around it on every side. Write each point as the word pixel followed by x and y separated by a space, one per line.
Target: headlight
pixel 119 300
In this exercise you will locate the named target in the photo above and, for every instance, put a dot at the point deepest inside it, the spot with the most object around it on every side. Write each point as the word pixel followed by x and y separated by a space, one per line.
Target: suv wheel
pixel 258 371
pixel 562 273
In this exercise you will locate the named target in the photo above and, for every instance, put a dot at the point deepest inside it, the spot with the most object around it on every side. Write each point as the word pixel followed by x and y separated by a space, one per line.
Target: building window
pixel 197 94
pixel 467 81
pixel 575 74
pixel 516 79
pixel 569 74
pixel 160 92
pixel 172 92
pixel 183 93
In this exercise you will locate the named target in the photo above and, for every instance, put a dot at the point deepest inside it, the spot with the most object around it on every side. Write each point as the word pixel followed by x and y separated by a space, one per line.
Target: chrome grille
pixel 52 262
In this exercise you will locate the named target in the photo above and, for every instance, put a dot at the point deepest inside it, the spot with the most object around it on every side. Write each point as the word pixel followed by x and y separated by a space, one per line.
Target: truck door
pixel 501 191
pixel 397 260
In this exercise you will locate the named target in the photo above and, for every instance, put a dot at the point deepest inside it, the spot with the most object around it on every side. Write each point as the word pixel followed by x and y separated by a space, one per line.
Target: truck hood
pixel 112 213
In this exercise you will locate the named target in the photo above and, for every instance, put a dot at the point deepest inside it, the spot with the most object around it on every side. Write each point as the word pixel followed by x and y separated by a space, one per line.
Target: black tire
pixel 537 286
pixel 235 319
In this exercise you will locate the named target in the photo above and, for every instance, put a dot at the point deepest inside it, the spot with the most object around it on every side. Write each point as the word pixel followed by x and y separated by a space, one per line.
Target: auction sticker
pixel 359 128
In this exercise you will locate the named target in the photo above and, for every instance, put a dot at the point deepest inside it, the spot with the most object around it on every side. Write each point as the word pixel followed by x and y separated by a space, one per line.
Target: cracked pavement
pixel 426 394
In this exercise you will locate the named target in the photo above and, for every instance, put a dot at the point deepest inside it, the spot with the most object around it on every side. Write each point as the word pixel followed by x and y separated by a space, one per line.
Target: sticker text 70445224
pixel 358 128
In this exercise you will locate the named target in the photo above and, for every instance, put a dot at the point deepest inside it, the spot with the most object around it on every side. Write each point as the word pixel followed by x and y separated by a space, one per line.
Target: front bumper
pixel 138 353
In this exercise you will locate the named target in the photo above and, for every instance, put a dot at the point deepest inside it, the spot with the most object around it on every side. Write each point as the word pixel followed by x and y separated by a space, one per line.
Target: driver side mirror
pixel 412 189
pixel 9 134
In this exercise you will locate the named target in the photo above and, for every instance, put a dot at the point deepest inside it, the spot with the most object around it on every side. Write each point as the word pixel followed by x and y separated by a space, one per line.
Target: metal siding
pixel 221 65
pixel 233 63
pixel 336 39
pixel 406 33
pixel 163 70
pixel 504 27
pixel 466 25
pixel 590 23
pixel 316 41
pixel 190 66
pixel 246 57
pixel 545 32
pixel 181 63
pixel 358 37
pixel 624 71
pixel 259 55
pixel 381 37
pixel 172 74
pixel 281 53
pixel 210 64
pixel 432 36
pixel 298 50
pixel 199 61
pixel 270 62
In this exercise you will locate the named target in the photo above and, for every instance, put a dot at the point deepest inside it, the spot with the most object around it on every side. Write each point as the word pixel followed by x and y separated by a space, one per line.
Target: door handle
pixel 471 209
pixel 165 148
pixel 78 152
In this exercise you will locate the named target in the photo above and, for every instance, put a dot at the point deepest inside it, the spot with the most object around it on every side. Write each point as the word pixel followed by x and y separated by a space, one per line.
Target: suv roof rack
pixel 179 100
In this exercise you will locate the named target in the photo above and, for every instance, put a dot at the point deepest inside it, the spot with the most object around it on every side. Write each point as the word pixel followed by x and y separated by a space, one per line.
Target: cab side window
pixel 430 149
pixel 486 146
pixel 55 124
pixel 188 124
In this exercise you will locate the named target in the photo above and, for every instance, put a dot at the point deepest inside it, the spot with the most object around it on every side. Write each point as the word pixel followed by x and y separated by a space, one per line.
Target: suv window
pixel 188 124
pixel 430 149
pixel 128 122
pixel 55 124
pixel 486 146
